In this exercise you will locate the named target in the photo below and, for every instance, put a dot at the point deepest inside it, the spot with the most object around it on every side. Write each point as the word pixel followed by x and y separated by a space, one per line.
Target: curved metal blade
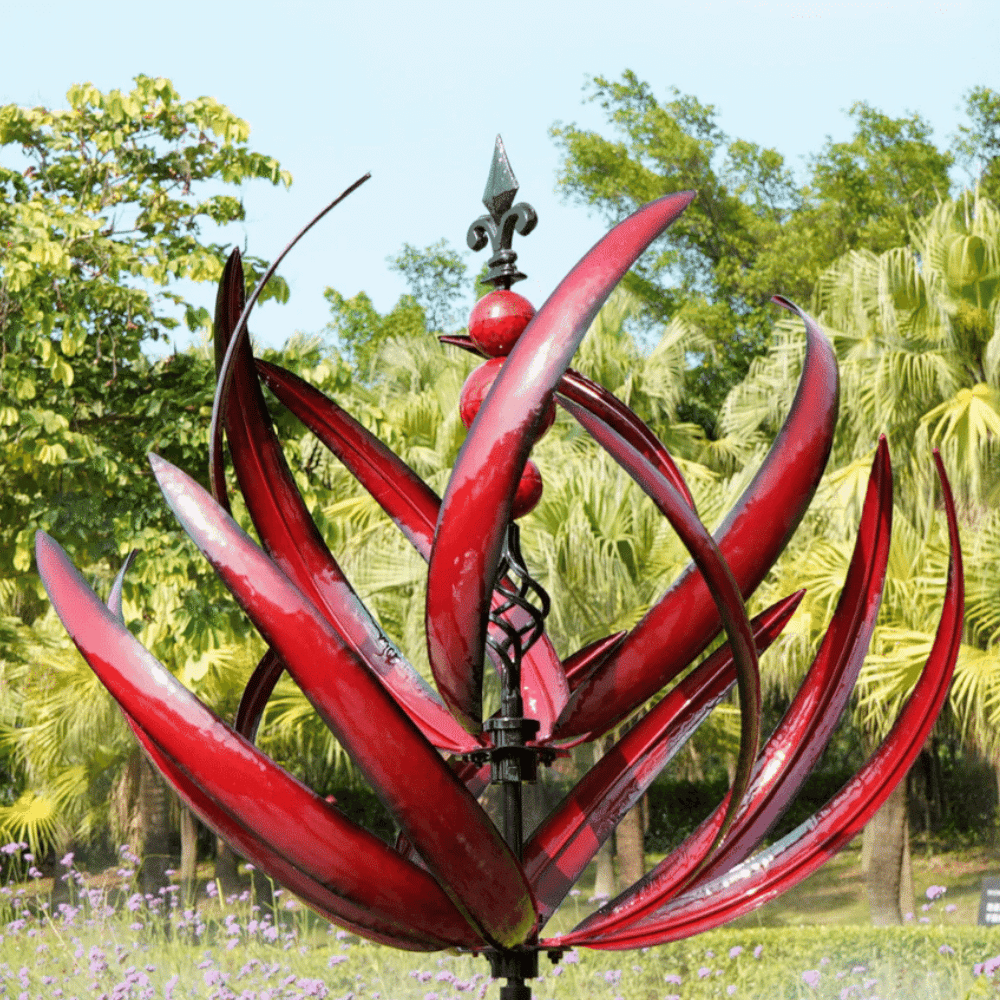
pixel 563 846
pixel 413 507
pixel 613 412
pixel 476 507
pixel 795 857
pixel 750 539
pixel 581 664
pixel 360 920
pixel 357 919
pixel 266 674
pixel 216 463
pixel 258 796
pixel 802 734
pixel 291 537
pixel 410 503
pixel 450 831
pixel 719 581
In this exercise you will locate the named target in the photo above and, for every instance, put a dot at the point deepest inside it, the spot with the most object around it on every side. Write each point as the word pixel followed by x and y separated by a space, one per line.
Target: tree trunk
pixel 906 874
pixel 631 852
pixel 888 854
pixel 604 876
pixel 189 855
pixel 154 826
pixel 226 872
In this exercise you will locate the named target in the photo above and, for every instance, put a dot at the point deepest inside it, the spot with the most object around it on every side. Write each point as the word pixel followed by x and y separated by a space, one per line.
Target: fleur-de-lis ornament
pixel 504 219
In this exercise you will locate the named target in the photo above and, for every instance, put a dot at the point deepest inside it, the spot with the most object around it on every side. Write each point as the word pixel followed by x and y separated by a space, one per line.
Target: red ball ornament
pixel 476 388
pixel 497 320
pixel 529 490
pixel 477 385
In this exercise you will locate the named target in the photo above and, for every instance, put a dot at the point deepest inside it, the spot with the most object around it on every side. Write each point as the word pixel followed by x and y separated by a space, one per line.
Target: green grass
pixel 804 946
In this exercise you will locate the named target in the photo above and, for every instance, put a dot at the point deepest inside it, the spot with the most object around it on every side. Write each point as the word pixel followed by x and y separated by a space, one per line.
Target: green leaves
pixel 100 217
pixel 754 229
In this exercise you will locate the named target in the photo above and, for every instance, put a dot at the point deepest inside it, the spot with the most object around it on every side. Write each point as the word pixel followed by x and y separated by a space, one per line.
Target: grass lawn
pixel 836 893
pixel 814 943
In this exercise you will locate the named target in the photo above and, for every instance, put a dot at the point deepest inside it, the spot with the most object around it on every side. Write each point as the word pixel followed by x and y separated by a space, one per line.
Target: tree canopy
pixel 754 228
pixel 102 205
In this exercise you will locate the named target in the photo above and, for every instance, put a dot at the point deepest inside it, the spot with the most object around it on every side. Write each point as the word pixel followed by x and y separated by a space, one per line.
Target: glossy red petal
pixel 563 846
pixel 750 539
pixel 414 508
pixel 257 796
pixel 616 414
pixel 216 467
pixel 410 503
pixel 655 483
pixel 290 535
pixel 801 736
pixel 450 831
pixel 476 507
pixel 266 674
pixel 357 919
pixel 587 659
pixel 803 733
pixel 798 855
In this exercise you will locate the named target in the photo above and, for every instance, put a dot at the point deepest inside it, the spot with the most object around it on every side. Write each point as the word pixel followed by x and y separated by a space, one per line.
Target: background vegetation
pixel 102 209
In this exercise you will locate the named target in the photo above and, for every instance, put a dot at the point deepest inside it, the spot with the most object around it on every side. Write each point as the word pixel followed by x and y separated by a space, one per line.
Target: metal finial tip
pixel 501 185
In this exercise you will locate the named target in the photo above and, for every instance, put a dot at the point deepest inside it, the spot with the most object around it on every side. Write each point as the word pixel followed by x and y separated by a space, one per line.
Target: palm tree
pixel 917 334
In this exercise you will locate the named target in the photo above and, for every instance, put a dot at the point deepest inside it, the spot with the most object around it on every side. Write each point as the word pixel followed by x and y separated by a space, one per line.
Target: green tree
pixel 436 277
pixel 437 280
pixel 915 331
pixel 101 206
pixel 978 143
pixel 753 229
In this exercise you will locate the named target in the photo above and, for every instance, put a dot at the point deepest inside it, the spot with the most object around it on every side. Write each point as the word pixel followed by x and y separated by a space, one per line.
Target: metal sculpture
pixel 452 880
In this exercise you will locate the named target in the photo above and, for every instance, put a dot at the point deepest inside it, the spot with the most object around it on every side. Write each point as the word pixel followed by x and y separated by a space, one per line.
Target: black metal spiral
pixel 519 590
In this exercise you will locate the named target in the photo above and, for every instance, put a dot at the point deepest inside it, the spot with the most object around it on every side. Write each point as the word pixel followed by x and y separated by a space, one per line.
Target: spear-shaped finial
pixel 504 218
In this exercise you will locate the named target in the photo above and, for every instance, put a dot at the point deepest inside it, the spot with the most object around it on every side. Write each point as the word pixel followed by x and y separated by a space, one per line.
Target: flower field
pixel 110 943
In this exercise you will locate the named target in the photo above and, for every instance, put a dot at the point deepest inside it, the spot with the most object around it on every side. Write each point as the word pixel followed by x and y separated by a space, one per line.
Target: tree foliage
pixel 102 205
pixel 754 228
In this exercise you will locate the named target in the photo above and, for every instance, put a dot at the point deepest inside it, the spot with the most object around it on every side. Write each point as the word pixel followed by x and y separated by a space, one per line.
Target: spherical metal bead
pixel 497 320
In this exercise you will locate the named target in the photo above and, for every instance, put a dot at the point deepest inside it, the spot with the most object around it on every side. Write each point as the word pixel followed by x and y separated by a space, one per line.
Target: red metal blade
pixel 567 840
pixel 803 733
pixel 414 508
pixel 579 666
pixel 266 674
pixel 750 539
pixel 654 482
pixel 245 785
pixel 795 857
pixel 598 401
pixel 357 919
pixel 216 465
pixel 291 537
pixel 476 507
pixel 410 503
pixel 453 835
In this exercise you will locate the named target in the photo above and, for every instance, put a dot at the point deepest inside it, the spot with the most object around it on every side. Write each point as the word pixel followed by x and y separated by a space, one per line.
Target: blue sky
pixel 416 93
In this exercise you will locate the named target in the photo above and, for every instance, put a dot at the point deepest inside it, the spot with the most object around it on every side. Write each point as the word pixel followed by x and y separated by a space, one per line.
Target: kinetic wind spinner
pixel 452 880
